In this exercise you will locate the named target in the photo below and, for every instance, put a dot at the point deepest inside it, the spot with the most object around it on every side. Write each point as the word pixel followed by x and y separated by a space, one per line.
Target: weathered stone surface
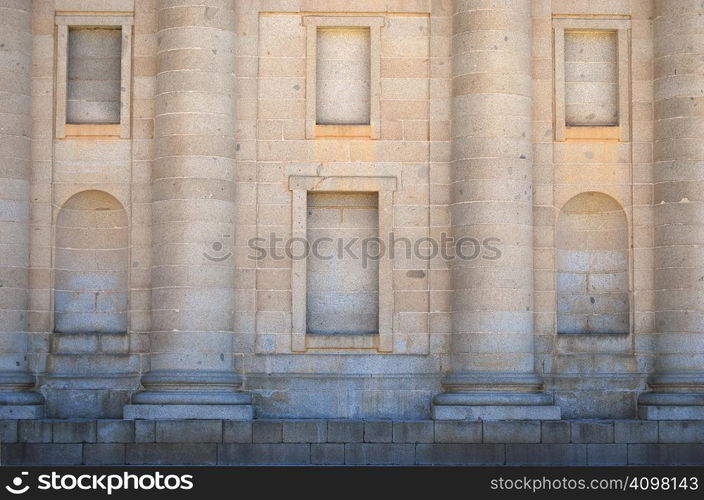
pixel 458 432
pixel 171 453
pixel 607 454
pixel 546 454
pixel 236 431
pixel 379 454
pixel 345 431
pixel 327 454
pixel 303 431
pixel 378 432
pixel 129 289
pixel 592 432
pixel 681 432
pixel 666 454
pixel 115 431
pixel 555 432
pixel 413 432
pixel 34 431
pixel 267 432
pixel 511 432
pixel 145 431
pixel 104 454
pixel 460 454
pixel 635 432
pixel 189 431
pixel 272 454
pixel 42 454
pixel 74 432
pixel 8 431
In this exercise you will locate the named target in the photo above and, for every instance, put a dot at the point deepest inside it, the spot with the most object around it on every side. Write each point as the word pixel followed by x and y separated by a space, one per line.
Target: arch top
pixel 592 202
pixel 91 199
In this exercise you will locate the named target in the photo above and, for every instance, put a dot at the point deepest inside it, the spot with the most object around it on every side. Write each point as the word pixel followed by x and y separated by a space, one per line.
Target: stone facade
pixel 160 159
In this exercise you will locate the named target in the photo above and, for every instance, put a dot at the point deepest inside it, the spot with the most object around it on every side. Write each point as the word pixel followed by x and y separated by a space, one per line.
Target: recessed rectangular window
pixel 342 286
pixel 343 76
pixel 94 75
pixel 591 78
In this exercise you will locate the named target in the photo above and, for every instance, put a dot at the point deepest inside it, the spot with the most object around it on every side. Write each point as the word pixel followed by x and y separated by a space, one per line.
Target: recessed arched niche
pixel 91 254
pixel 592 266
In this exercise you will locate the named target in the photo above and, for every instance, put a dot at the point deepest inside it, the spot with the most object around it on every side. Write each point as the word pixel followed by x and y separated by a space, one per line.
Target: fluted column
pixel 492 344
pixel 678 380
pixel 16 381
pixel 192 365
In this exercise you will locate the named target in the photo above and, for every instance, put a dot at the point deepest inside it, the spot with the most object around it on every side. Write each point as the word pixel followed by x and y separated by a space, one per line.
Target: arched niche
pixel 91 254
pixel 592 266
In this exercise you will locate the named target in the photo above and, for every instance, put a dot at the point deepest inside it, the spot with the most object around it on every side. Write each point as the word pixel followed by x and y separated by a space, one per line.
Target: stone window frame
pixel 374 23
pixel 301 340
pixel 620 132
pixel 69 130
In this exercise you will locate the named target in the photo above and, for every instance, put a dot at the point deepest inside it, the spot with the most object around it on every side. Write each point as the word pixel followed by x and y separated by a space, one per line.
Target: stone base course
pixel 351 442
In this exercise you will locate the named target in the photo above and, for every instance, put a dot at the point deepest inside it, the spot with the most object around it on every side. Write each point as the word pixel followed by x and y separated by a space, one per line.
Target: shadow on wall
pixel 90 287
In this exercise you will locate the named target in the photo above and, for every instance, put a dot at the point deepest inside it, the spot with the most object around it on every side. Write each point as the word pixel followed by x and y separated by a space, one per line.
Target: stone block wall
pixel 351 442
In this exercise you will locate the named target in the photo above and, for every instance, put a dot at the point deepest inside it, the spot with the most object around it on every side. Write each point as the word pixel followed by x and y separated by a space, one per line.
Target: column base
pixel 673 406
pixel 187 395
pixel 494 397
pixel 674 397
pixel 17 400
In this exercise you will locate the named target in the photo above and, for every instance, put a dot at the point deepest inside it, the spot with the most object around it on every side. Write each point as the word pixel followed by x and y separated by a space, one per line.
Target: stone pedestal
pixel 17 400
pixel 494 396
pixel 492 337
